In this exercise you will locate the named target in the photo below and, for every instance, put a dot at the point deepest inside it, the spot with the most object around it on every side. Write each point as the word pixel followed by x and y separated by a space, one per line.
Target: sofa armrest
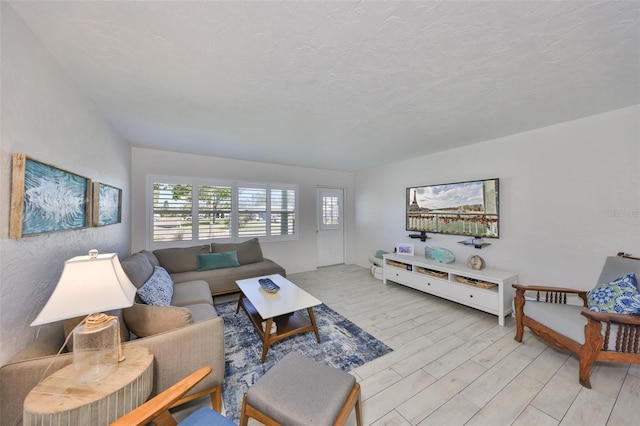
pixel 178 353
pixel 18 378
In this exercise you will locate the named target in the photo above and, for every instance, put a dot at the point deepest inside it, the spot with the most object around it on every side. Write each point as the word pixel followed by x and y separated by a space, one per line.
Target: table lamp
pixel 89 285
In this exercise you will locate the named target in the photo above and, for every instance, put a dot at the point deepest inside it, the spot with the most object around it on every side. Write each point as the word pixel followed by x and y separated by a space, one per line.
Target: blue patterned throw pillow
pixel 620 296
pixel 158 290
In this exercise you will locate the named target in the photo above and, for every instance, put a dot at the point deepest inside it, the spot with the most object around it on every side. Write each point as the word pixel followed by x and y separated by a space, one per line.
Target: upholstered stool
pixel 300 391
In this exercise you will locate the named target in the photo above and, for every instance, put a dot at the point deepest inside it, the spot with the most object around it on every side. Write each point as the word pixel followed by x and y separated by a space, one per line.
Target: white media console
pixel 488 289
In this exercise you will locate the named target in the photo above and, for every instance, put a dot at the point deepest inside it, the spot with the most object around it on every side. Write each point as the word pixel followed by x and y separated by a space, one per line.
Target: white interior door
pixel 330 229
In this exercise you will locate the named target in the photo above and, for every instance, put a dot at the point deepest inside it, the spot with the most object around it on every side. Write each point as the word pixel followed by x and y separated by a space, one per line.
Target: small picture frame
pixel 107 204
pixel 405 249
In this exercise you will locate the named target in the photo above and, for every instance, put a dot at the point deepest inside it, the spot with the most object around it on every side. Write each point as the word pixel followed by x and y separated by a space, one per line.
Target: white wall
pixel 569 197
pixel 294 256
pixel 45 116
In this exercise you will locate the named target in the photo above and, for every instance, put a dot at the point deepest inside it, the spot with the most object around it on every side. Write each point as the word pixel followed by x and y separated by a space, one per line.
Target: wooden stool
pixel 300 391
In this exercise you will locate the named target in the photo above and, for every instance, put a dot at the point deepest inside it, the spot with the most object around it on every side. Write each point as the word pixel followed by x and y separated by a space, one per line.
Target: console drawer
pixel 399 275
pixel 433 285
pixel 486 300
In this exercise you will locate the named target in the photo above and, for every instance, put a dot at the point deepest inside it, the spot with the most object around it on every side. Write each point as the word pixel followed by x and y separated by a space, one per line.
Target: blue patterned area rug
pixel 342 345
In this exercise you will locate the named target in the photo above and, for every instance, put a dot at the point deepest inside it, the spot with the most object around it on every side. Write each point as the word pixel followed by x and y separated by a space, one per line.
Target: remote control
pixel 268 285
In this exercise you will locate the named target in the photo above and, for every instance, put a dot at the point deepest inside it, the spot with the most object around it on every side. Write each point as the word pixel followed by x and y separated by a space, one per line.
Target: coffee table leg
pixel 242 296
pixel 266 339
pixel 313 323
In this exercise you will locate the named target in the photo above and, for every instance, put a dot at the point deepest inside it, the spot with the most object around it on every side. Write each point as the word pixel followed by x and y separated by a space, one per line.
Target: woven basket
pixel 397 264
pixel 431 272
pixel 475 283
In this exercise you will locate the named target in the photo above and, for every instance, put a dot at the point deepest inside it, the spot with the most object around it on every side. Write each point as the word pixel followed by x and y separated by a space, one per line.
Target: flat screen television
pixel 461 208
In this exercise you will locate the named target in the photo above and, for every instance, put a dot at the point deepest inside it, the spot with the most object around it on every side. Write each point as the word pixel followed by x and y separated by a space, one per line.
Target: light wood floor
pixel 453 365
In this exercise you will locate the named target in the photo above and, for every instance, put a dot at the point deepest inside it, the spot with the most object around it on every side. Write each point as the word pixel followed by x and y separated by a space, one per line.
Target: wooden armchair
pixel 591 336
pixel 156 410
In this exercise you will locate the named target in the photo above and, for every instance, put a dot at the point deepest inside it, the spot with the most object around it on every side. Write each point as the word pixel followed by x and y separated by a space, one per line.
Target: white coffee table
pixel 264 309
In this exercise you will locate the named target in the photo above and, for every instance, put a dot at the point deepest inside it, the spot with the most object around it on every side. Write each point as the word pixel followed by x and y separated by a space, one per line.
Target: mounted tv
pixel 462 208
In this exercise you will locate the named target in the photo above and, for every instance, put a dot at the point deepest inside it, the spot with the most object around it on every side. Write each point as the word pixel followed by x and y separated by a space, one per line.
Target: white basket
pixel 376 272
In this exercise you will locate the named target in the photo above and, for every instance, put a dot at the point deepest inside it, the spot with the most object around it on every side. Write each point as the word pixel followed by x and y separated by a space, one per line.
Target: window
pixel 252 212
pixel 330 205
pixel 283 211
pixel 214 212
pixel 172 218
pixel 220 210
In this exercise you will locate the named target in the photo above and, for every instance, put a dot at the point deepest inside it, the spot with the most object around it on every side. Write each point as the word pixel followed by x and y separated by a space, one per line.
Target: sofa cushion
pixel 248 251
pixel 619 296
pixel 223 280
pixel 180 259
pixel 152 257
pixel 191 293
pixel 225 259
pixel 158 290
pixel 138 268
pixel 202 312
pixel 146 320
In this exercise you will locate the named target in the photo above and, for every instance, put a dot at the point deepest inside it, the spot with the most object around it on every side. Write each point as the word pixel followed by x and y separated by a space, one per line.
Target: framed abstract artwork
pixel 107 204
pixel 45 198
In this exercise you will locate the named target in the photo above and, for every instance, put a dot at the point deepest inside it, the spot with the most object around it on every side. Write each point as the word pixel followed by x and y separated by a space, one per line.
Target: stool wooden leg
pixel 243 415
pixel 353 401
pixel 358 407
pixel 249 412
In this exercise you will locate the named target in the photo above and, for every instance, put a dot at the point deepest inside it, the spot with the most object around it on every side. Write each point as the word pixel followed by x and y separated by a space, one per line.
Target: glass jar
pixel 95 350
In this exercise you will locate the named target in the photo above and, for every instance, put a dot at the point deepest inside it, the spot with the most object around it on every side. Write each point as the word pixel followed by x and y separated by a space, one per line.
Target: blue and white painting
pixel 108 205
pixel 54 199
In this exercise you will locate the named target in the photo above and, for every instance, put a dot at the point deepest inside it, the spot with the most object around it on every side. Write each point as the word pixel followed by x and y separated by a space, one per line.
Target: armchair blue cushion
pixel 206 417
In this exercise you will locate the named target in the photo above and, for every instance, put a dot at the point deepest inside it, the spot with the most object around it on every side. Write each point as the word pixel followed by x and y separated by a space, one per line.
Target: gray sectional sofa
pixel 184 336
pixel 182 264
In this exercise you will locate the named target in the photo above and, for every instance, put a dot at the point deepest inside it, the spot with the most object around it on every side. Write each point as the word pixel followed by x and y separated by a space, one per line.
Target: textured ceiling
pixel 341 85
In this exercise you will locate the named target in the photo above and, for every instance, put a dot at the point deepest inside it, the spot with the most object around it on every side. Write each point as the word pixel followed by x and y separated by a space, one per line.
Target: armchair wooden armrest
pixel 157 408
pixel 607 317
pixel 549 294
pixel 621 338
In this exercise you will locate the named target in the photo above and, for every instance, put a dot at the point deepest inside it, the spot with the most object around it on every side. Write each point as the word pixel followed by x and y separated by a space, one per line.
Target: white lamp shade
pixel 88 285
